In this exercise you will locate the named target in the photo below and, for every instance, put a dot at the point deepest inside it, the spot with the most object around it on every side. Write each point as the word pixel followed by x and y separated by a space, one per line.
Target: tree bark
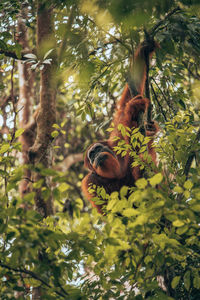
pixel 25 103
pixel 40 154
pixel 41 151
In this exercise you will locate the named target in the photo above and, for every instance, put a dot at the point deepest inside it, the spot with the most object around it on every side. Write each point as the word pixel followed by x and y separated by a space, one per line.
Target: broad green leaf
pixel 186 280
pixel 54 133
pixel 196 281
pixel 38 184
pixel 186 194
pixel 63 187
pixel 195 207
pixel 56 126
pixel 111 204
pixel 182 229
pixel 110 129
pixel 178 223
pixel 188 185
pixel 156 179
pixel 48 172
pixel 4 148
pixel 48 52
pixel 123 191
pixel 175 281
pixel 30 56
pixel 130 212
pixel 19 132
pixel 141 183
pixel 178 189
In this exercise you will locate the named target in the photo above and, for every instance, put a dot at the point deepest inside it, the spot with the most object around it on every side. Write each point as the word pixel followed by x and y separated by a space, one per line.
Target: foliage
pixel 151 231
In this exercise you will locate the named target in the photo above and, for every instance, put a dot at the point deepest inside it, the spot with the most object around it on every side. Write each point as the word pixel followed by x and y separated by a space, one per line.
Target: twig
pixel 154 30
pixel 12 54
pixel 191 157
pixel 33 275
pixel 160 106
pixel 164 96
pixel 196 76
pixel 66 34
pixel 101 47
pixel 115 38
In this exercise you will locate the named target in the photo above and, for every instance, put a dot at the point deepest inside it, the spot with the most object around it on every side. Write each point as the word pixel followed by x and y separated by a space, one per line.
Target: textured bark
pixel 41 151
pixel 25 103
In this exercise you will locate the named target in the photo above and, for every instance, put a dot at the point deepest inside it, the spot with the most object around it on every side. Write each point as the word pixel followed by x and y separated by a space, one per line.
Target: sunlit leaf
pixel 19 132
pixel 175 281
pixel 156 179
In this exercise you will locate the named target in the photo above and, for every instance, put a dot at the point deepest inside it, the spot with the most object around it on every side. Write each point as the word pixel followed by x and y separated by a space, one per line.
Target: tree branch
pixel 69 161
pixel 191 157
pixel 154 30
pixel 160 106
pixel 12 54
pixel 33 275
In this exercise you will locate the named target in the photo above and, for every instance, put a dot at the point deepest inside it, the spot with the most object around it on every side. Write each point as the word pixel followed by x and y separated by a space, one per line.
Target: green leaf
pixel 110 130
pixel 195 207
pixel 182 229
pixel 56 126
pixel 186 280
pixel 178 223
pixel 54 133
pixel 4 148
pixel 188 185
pixel 141 183
pixel 175 281
pixel 111 204
pixel 130 212
pixel 156 179
pixel 112 241
pixel 48 172
pixel 30 56
pixel 63 187
pixel 178 189
pixel 196 281
pixel 38 184
pixel 123 191
pixel 48 52
pixel 19 132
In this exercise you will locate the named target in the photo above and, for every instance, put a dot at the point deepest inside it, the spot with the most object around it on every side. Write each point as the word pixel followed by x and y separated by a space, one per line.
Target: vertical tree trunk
pixel 41 151
pixel 25 103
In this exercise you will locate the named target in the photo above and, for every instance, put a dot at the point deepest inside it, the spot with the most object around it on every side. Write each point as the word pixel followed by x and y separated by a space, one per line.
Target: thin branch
pixel 196 76
pixel 69 161
pixel 191 157
pixel 12 54
pixel 164 96
pixel 160 106
pixel 33 275
pixel 115 38
pixel 156 27
pixel 102 47
pixel 66 34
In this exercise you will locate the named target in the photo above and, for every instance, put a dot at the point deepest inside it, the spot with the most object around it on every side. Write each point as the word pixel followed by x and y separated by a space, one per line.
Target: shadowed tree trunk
pixel 41 151
pixel 25 103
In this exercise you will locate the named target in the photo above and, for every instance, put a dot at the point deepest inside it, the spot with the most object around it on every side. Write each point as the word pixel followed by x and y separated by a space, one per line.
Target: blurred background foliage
pixel 151 252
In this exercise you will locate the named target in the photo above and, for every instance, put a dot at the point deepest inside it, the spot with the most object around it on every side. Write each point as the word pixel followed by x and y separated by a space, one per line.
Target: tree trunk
pixel 40 154
pixel 41 151
pixel 25 103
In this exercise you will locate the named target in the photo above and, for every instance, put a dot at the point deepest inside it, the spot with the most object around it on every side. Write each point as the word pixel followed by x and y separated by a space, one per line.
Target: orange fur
pixel 107 169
